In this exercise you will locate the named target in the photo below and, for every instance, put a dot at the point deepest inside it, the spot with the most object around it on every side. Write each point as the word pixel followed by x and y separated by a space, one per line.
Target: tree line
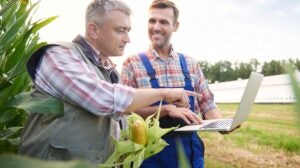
pixel 222 71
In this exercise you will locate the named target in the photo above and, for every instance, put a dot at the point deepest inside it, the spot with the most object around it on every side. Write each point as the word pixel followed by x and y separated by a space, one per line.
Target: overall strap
pixel 185 70
pixel 150 71
pixel 188 81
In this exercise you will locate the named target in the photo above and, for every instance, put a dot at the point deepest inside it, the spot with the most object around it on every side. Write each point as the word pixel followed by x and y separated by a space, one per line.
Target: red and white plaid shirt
pixel 169 74
pixel 63 74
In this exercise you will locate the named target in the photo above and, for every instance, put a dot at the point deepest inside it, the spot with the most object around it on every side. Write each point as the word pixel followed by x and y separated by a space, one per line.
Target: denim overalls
pixel 193 145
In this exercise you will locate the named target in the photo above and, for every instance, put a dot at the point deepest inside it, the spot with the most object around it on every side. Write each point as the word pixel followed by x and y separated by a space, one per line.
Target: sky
pixel 210 30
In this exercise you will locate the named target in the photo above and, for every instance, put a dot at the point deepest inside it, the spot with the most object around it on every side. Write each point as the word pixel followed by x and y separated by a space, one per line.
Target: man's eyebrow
pixel 124 28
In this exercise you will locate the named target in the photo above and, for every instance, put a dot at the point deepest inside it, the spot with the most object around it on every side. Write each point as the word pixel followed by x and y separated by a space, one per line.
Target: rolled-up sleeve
pixel 206 102
pixel 63 74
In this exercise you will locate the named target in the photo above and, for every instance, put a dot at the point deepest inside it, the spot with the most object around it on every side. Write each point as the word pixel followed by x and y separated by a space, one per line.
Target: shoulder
pixel 193 65
pixel 189 59
pixel 54 47
pixel 132 59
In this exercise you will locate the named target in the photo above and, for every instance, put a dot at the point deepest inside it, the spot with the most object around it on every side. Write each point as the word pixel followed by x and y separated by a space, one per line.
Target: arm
pixel 213 114
pixel 206 104
pixel 172 111
pixel 145 97
pixel 64 75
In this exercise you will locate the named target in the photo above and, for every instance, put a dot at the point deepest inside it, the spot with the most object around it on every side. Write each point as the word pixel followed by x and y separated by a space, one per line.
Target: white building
pixel 274 89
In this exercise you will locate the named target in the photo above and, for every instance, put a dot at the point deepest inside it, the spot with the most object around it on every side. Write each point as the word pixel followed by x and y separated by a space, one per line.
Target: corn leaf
pixel 7 133
pixel 182 158
pixel 30 103
pixel 15 161
pixel 130 154
pixel 296 88
pixel 156 147
pixel 7 6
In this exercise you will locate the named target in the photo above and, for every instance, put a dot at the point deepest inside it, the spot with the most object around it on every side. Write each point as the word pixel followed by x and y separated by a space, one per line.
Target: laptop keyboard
pixel 219 124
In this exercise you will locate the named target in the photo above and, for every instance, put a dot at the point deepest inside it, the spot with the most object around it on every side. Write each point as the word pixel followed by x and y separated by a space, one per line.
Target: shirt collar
pixel 92 53
pixel 97 52
pixel 107 63
pixel 172 52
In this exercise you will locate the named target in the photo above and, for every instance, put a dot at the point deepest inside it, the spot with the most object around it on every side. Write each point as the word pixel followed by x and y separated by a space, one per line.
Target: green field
pixel 269 138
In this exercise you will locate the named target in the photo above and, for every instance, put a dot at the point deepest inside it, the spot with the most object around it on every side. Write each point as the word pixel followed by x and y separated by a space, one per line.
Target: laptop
pixel 243 111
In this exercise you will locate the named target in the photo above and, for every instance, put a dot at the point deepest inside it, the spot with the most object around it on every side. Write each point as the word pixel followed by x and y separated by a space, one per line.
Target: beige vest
pixel 78 134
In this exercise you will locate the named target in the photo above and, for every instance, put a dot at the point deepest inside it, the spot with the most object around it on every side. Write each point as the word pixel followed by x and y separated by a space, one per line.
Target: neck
pixel 163 52
pixel 102 55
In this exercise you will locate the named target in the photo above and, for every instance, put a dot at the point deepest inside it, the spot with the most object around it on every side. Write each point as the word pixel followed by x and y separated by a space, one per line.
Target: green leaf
pixel 7 6
pixel 14 141
pixel 296 88
pixel 182 158
pixel 7 38
pixel 15 161
pixel 122 148
pixel 134 160
pixel 127 146
pixel 42 23
pixel 9 132
pixel 155 147
pixel 4 81
pixel 6 116
pixel 28 102
pixel 156 132
pixel 19 38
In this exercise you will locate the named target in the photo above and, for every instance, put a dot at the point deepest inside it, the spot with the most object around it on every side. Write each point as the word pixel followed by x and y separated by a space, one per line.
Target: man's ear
pixel 92 30
pixel 176 25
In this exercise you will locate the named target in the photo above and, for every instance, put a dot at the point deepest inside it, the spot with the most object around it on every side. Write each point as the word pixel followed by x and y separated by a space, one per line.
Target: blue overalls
pixel 193 145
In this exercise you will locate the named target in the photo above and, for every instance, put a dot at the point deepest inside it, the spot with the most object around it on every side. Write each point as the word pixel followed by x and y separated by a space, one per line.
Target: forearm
pixel 147 111
pixel 213 114
pixel 143 98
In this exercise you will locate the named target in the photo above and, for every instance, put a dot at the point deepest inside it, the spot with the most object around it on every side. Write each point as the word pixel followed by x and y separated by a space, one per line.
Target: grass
pixel 269 138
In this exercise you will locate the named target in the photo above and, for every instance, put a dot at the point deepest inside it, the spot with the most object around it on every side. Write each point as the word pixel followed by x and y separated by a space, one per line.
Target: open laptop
pixel 228 124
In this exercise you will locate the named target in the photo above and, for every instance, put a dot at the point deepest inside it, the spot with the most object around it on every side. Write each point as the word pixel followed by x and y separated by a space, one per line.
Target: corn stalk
pixel 19 38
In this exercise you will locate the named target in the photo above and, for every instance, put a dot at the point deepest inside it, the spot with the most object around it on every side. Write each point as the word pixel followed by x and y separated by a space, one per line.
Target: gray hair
pixel 99 8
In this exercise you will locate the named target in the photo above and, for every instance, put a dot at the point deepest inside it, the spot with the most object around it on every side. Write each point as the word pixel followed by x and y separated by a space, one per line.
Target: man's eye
pixel 164 22
pixel 151 21
pixel 122 30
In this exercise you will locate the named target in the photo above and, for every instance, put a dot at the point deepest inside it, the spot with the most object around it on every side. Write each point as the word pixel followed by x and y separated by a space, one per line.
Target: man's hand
pixel 227 132
pixel 145 97
pixel 179 97
pixel 186 114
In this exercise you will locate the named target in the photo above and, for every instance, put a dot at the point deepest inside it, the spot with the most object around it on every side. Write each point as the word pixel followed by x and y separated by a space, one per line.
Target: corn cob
pixel 138 132
pixel 141 140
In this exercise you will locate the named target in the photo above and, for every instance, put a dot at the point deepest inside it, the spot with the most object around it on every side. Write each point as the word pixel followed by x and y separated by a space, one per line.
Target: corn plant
pixel 17 161
pixel 296 89
pixel 19 38
pixel 141 140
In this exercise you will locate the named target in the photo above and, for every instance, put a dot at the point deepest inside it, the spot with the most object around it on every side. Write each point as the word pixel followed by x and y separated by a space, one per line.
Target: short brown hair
pixel 163 4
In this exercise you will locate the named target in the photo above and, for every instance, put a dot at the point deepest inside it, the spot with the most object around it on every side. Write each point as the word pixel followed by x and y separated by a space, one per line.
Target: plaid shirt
pixel 168 74
pixel 63 74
